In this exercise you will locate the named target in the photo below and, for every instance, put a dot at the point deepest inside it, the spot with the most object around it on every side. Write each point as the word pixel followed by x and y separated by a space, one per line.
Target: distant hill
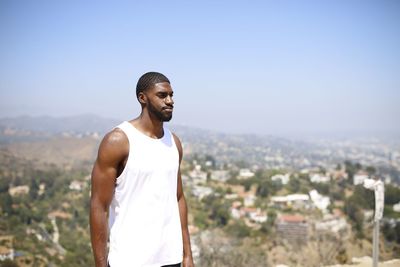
pixel 70 141
pixel 63 141
pixel 66 152
pixel 80 124
pixel 26 128
pixel 55 125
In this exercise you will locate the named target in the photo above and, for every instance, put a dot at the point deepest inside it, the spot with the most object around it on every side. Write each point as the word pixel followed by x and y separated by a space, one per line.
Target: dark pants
pixel 172 265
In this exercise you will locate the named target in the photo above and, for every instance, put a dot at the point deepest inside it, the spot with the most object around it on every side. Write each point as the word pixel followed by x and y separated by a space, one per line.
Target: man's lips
pixel 168 109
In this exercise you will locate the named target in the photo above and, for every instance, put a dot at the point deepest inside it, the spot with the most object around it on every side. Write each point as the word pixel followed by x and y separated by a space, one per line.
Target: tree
pixel 8 263
pixel 211 159
pixel 392 195
pixel 6 203
pixel 4 184
pixel 370 170
pixel 264 188
pixel 322 188
pixel 238 229
pixel 201 219
pixel 219 211
pixel 363 197
pixel 247 184
pixel 351 168
pixel 356 216
pixel 397 231
pixel 220 214
pixel 389 232
pixel 294 185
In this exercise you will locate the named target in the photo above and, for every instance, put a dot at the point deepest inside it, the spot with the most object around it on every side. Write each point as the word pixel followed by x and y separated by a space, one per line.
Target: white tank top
pixel 144 221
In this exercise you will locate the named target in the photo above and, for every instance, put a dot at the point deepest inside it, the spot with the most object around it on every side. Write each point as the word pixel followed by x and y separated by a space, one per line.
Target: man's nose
pixel 169 100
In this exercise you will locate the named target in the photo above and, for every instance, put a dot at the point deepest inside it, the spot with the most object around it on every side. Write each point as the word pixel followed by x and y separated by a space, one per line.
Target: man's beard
pixel 159 114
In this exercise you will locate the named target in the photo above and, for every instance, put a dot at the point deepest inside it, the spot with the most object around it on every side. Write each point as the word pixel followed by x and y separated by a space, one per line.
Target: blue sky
pixel 273 67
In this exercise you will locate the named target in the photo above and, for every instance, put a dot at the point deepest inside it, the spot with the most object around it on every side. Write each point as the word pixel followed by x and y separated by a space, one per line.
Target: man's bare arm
pixel 187 251
pixel 113 150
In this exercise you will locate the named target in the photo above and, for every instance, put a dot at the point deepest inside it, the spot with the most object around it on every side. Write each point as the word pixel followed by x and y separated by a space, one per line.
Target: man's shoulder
pixel 115 142
pixel 115 136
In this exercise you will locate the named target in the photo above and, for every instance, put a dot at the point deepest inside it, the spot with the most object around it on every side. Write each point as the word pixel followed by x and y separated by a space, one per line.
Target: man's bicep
pixel 112 151
pixel 103 182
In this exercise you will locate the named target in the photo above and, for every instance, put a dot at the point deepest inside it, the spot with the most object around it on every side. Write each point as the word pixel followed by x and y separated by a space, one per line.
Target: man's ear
pixel 142 98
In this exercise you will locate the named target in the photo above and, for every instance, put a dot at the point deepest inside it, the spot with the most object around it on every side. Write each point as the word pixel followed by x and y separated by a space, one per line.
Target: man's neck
pixel 149 126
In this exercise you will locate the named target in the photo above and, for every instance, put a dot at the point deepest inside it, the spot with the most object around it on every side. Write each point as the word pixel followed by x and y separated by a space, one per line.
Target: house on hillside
pixel 6 247
pixel 77 185
pixel 236 211
pixel 332 223
pixel 198 175
pixel 340 174
pixel 396 207
pixel 201 191
pixel 249 200
pixel 220 175
pixel 320 201
pixel 245 174
pixel 297 201
pixel 59 214
pixel 318 178
pixel 18 190
pixel 34 261
pixel 42 189
pixel 258 216
pixel 283 178
pixel 294 228
pixel 359 177
pixel 254 214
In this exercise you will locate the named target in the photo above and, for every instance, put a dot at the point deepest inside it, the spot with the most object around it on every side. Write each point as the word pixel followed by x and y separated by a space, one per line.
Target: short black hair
pixel 148 80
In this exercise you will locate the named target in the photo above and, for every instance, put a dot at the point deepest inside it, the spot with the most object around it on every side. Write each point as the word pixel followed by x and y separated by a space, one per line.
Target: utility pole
pixel 379 189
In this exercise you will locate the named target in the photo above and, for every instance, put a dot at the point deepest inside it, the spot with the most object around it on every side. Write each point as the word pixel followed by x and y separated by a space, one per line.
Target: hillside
pixel 241 191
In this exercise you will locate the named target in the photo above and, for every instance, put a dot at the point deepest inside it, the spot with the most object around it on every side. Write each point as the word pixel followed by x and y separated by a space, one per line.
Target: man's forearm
pixel 187 251
pixel 99 235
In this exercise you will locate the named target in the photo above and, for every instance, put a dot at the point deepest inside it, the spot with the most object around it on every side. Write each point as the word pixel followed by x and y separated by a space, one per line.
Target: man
pixel 136 179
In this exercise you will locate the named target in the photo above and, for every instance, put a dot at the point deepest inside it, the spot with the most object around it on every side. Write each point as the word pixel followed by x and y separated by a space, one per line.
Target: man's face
pixel 160 103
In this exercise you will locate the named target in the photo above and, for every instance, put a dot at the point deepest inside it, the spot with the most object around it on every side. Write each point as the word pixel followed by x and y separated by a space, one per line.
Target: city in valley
pixel 253 200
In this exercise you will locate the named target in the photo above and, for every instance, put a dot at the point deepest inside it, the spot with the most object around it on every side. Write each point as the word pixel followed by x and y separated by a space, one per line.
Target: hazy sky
pixel 277 67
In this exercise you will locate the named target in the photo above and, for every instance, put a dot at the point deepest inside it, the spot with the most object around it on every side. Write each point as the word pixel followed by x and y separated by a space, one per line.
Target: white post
pixel 375 248
pixel 379 190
